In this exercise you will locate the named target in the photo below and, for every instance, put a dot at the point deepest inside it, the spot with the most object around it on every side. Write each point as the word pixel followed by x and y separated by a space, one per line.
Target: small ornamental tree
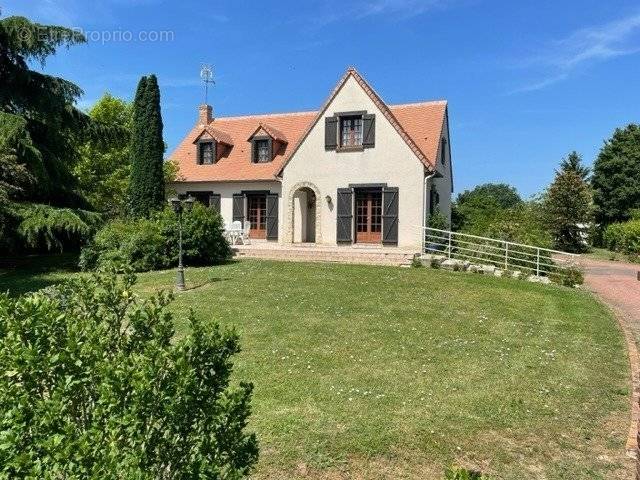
pixel 94 386
pixel 567 208
pixel 146 186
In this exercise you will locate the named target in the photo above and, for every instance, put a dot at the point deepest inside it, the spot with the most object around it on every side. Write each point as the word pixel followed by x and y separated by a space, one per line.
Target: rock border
pixel 457 265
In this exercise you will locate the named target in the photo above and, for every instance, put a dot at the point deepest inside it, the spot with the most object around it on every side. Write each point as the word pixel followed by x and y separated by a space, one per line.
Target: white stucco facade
pixel 390 162
pixel 226 190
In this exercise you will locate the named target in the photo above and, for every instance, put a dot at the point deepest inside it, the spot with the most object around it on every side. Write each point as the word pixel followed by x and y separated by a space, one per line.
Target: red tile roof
pixel 419 124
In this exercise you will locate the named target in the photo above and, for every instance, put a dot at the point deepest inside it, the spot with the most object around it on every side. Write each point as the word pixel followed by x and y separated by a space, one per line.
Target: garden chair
pixel 235 232
pixel 244 237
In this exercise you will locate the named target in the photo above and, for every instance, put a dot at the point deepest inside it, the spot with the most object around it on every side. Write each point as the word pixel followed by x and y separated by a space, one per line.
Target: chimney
pixel 205 114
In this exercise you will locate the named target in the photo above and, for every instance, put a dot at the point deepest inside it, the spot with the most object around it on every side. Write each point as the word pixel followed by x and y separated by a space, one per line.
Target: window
pixel 351 131
pixel 262 151
pixel 206 153
pixel 443 151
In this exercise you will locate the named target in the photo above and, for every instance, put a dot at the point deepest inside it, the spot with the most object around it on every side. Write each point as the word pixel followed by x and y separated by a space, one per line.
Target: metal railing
pixel 500 253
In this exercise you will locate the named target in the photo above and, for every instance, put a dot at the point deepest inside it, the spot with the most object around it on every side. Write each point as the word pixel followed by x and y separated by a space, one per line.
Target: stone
pixel 537 279
pixel 490 269
pixel 475 268
pixel 452 264
pixel 497 272
pixel 517 274
pixel 427 258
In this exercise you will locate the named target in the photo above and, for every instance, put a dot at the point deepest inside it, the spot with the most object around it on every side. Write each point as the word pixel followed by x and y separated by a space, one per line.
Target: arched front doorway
pixel 304 215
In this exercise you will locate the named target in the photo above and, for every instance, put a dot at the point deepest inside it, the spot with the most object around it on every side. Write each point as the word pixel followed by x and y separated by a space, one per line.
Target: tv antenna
pixel 206 74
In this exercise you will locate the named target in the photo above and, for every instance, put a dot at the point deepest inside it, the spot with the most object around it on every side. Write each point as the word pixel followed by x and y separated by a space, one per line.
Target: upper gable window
pixel 206 153
pixel 351 131
pixel 443 151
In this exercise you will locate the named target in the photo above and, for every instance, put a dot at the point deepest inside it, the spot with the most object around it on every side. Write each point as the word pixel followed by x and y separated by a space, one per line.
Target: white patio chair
pixel 244 236
pixel 235 232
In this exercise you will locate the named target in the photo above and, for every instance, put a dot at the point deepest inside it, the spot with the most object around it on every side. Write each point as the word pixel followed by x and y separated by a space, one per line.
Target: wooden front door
pixel 257 214
pixel 368 217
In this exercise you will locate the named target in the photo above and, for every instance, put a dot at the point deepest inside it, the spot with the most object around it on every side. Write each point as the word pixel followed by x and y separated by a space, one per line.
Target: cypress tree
pixel 146 187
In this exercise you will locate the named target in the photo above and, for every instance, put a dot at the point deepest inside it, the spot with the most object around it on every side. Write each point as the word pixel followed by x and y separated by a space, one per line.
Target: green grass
pixel 608 255
pixel 383 372
pixel 604 254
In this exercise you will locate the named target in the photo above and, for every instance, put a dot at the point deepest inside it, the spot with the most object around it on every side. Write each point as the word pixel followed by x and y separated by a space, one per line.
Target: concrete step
pixel 369 257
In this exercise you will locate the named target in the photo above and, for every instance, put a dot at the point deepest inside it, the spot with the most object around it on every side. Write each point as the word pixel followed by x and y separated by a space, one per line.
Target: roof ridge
pixel 263 115
pixel 418 104
pixel 308 112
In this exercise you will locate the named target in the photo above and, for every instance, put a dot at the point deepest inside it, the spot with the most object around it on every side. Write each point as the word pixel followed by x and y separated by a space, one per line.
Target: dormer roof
pixel 215 134
pixel 271 131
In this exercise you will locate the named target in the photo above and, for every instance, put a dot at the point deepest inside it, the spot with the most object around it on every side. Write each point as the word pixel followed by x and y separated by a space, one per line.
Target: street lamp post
pixel 179 206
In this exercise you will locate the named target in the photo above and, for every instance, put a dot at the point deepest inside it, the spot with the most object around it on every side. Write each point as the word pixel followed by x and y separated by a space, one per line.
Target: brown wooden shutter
pixel 272 217
pixel 369 130
pixel 330 133
pixel 344 222
pixel 390 215
pixel 214 202
pixel 238 207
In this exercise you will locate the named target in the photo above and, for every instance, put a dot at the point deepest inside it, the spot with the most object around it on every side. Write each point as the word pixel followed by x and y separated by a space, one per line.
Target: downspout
pixel 427 178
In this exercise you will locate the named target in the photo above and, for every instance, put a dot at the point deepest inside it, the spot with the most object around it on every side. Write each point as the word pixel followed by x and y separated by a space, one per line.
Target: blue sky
pixel 526 81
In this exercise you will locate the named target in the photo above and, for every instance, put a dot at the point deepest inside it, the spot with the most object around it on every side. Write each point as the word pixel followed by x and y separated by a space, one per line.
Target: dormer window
pixel 351 131
pixel 206 152
pixel 261 149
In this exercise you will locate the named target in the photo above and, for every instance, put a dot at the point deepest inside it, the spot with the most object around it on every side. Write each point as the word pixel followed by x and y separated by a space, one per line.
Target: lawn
pixel 384 372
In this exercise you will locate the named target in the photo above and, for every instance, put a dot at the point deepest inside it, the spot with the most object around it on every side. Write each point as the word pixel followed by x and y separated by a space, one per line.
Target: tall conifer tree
pixel 146 187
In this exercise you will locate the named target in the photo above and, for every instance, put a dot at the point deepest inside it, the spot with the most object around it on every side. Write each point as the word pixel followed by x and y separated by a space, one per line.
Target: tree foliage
pixel 616 176
pixel 146 187
pixel 474 210
pixel 94 386
pixel 104 167
pixel 568 207
pixel 52 228
pixel 573 163
pixel 39 130
pixel 42 106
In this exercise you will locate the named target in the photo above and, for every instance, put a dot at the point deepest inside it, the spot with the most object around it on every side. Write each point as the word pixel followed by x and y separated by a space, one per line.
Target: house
pixel 355 171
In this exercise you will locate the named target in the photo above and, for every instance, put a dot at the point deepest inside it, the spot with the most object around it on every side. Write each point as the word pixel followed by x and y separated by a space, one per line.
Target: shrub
pixel 203 239
pixel 623 237
pixel 95 386
pixel 456 473
pixel 416 262
pixel 569 277
pixel 152 244
pixel 127 244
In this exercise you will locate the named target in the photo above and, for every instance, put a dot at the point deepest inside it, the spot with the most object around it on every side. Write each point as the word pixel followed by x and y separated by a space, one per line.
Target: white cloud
pixel 584 47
